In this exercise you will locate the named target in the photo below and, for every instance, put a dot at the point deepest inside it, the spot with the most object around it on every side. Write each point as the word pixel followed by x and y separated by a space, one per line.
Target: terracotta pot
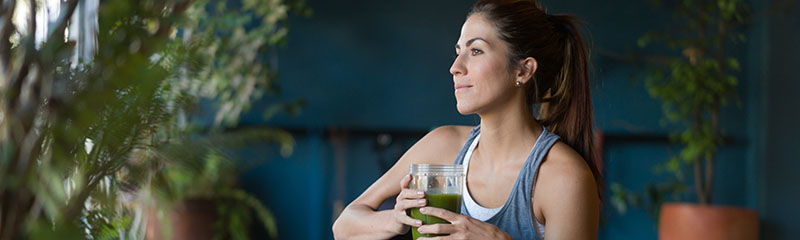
pixel 192 219
pixel 686 221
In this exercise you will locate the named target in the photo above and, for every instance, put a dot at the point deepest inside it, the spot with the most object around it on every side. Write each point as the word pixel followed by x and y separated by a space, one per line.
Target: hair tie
pixel 562 23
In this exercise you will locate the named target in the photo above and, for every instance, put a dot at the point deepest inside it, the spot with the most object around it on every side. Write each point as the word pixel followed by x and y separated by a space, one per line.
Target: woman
pixel 512 57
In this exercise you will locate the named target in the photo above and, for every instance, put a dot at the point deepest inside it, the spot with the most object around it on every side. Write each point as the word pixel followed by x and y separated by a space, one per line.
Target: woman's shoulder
pixel 564 171
pixel 562 161
pixel 451 133
pixel 451 137
pixel 440 145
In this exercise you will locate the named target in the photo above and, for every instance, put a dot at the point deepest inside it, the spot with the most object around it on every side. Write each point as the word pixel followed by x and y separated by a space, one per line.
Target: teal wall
pixel 370 68
pixel 779 192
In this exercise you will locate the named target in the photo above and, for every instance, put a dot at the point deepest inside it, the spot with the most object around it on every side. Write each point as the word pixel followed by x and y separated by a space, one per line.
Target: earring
pixel 518 83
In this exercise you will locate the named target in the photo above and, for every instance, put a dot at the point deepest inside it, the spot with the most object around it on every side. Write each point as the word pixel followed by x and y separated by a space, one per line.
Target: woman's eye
pixel 476 51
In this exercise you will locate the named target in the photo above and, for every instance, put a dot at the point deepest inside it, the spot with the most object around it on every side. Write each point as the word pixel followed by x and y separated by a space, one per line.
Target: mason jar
pixel 443 185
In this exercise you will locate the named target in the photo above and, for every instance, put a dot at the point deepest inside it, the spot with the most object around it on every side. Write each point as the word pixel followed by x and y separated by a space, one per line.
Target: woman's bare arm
pixel 361 220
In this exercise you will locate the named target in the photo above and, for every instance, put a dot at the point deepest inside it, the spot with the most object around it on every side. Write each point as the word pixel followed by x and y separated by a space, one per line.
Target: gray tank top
pixel 515 216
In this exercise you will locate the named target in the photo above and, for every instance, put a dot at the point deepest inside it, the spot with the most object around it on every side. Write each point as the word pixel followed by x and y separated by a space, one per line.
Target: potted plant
pixel 694 80
pixel 195 194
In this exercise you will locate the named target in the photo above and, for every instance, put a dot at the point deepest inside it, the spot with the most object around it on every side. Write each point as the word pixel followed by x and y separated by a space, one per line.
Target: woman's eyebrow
pixel 470 42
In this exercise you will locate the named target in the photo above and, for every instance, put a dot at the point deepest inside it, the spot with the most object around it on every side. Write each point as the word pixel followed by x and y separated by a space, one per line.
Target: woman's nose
pixel 457 68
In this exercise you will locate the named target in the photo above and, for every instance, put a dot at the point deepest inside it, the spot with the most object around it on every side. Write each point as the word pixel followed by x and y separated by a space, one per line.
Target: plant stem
pixel 711 156
pixel 700 186
pixel 698 179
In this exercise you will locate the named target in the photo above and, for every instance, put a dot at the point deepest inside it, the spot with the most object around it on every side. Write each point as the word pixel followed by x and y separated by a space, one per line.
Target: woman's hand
pixel 460 227
pixel 407 199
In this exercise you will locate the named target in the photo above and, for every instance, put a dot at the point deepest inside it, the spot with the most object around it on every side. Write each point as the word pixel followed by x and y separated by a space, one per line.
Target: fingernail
pixel 422 201
pixel 421 193
pixel 418 223
pixel 423 209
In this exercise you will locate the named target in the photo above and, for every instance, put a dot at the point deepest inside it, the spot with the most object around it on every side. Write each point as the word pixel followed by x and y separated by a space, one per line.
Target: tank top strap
pixel 531 167
pixel 472 135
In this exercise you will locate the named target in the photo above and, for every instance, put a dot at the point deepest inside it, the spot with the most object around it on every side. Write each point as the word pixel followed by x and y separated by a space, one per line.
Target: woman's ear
pixel 528 67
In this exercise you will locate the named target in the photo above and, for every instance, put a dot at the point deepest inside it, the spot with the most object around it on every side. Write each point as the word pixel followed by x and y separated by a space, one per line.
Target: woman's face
pixel 481 76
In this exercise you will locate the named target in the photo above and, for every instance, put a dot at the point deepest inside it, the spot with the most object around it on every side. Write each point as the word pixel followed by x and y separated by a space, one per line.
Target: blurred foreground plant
pixel 80 139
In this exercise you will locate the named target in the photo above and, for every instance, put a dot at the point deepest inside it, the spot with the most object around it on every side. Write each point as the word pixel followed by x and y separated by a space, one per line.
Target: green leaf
pixel 733 63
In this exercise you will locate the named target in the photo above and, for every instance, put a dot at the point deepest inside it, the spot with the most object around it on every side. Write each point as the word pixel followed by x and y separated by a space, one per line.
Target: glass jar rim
pixel 434 168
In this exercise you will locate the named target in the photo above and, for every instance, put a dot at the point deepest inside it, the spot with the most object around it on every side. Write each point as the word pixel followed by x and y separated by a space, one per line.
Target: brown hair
pixel 560 86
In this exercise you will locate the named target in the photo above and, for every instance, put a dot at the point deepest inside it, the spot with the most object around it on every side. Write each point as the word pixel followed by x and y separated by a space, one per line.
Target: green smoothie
pixel 450 202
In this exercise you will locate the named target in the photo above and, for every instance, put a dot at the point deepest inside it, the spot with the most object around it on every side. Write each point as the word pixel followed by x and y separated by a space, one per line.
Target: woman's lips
pixel 462 87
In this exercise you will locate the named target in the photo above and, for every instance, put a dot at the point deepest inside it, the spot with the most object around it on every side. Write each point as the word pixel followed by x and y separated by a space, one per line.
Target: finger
pixel 440 228
pixel 405 219
pixel 434 238
pixel 410 194
pixel 440 213
pixel 410 203
pixel 405 181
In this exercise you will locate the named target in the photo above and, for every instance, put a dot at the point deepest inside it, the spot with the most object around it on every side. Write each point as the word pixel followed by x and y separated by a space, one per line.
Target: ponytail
pixel 566 108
